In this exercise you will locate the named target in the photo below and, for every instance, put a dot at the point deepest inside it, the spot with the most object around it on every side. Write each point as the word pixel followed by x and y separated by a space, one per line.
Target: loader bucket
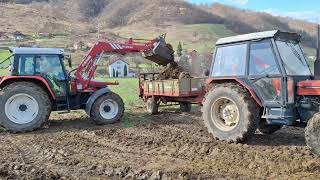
pixel 162 53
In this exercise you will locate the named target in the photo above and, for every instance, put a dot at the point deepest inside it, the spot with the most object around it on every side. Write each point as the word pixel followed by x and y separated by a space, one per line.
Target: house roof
pixel 28 50
pixel 259 35
pixel 17 33
pixel 116 60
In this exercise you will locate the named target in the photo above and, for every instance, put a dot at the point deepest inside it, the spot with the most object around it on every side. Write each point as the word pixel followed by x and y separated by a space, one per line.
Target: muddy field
pixel 169 146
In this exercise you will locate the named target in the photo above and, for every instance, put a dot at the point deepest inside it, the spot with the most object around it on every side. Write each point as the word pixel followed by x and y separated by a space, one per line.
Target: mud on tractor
pixel 39 83
pixel 262 81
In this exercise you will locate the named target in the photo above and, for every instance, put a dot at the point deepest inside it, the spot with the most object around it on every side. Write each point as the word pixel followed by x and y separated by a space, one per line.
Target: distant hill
pixel 118 16
pixel 244 21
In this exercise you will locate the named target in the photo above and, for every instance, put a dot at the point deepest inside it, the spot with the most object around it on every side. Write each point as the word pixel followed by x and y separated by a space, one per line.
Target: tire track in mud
pixel 176 145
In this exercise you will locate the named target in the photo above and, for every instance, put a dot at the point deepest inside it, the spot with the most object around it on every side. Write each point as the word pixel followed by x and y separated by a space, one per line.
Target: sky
pixel 300 9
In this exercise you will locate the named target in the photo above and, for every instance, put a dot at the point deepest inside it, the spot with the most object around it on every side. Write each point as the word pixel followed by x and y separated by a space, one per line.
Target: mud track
pixel 169 146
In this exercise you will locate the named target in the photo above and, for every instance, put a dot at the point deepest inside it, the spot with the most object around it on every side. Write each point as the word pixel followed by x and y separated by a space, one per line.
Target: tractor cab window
pixel 26 65
pixel 262 59
pixel 230 61
pixel 41 65
pixel 49 65
pixel 293 58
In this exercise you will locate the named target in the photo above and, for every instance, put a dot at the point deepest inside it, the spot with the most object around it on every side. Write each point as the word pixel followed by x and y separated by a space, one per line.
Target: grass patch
pixel 3 55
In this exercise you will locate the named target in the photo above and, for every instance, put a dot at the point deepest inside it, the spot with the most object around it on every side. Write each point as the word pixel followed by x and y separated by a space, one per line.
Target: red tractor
pixel 39 84
pixel 262 81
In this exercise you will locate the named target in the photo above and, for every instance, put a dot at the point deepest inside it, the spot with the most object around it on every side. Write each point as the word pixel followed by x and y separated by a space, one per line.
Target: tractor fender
pixel 35 79
pixel 94 97
pixel 239 81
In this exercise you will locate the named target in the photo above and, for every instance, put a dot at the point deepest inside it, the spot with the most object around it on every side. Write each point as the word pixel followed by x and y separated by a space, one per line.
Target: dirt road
pixel 169 145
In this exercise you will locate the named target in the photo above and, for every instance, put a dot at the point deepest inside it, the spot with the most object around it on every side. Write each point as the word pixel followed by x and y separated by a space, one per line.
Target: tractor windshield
pixel 293 59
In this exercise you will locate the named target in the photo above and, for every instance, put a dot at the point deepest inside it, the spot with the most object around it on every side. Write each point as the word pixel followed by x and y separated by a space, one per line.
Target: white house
pixel 118 68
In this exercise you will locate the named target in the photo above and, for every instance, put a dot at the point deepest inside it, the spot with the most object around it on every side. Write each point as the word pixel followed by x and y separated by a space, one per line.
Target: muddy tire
pixel 107 109
pixel 185 107
pixel 230 113
pixel 24 107
pixel 268 128
pixel 312 134
pixel 152 105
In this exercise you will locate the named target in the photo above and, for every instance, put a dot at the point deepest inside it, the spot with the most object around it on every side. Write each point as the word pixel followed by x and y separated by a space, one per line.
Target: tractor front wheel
pixel 312 134
pixel 24 106
pixel 230 113
pixel 107 109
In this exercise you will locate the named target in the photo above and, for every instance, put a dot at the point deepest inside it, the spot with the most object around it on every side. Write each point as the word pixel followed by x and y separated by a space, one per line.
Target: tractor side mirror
pixel 206 72
pixel 68 58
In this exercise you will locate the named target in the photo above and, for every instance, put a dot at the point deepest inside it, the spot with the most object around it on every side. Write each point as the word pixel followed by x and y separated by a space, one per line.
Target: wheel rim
pixel 109 109
pixel 21 108
pixel 225 114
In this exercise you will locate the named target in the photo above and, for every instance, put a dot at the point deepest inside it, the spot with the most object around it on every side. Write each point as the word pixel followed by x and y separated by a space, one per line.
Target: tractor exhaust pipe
pixel 317 62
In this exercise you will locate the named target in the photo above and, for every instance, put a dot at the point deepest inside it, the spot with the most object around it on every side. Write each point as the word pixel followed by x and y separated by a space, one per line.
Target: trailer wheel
pixel 312 134
pixel 185 107
pixel 152 105
pixel 107 109
pixel 24 107
pixel 230 113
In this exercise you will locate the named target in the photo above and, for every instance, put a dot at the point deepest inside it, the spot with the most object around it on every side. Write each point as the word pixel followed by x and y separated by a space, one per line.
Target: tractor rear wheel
pixel 152 105
pixel 107 109
pixel 230 113
pixel 312 134
pixel 24 106
pixel 185 106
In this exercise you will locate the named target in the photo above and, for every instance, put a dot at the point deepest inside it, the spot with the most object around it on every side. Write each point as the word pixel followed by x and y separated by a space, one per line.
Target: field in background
pixel 128 89
pixel 200 37
pixel 3 56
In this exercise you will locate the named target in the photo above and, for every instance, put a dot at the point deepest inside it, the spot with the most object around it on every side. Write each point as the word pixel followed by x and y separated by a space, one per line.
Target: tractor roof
pixel 27 50
pixel 260 35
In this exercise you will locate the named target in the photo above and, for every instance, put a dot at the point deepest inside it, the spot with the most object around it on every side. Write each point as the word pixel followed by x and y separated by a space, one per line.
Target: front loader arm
pixel 154 50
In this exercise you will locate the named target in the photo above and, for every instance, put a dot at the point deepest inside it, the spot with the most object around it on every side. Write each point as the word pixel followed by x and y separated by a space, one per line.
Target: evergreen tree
pixel 125 71
pixel 179 50
pixel 117 74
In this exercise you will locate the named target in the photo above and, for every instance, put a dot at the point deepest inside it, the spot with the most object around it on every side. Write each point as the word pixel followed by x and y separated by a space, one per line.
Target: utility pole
pixel 317 62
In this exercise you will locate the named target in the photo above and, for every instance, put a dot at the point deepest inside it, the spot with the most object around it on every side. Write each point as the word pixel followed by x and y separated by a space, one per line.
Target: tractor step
pixel 63 105
pixel 278 115
pixel 64 112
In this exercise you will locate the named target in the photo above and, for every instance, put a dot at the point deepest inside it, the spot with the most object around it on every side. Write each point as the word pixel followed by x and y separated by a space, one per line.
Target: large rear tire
pixel 230 113
pixel 107 109
pixel 312 134
pixel 24 106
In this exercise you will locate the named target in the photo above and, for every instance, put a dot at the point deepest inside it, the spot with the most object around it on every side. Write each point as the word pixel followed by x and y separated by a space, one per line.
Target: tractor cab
pixel 270 64
pixel 261 81
pixel 45 62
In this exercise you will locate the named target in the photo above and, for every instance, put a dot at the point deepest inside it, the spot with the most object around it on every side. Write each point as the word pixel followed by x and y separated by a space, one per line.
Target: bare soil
pixel 170 145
